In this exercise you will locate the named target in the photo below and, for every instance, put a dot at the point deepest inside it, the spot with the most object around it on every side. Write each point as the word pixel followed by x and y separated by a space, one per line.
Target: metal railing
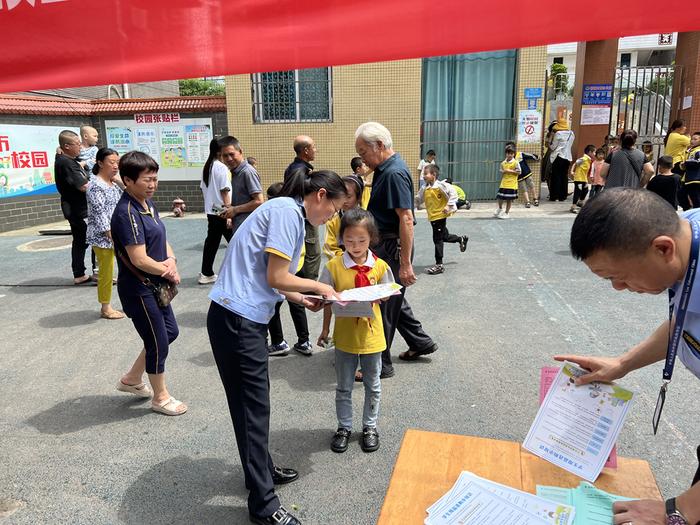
pixel 469 151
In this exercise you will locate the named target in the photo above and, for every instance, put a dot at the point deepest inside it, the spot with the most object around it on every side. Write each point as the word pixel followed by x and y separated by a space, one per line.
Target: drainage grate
pixel 45 245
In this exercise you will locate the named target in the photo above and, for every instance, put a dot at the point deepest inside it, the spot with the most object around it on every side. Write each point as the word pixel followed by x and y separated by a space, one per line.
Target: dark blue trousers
pixel 156 326
pixel 241 357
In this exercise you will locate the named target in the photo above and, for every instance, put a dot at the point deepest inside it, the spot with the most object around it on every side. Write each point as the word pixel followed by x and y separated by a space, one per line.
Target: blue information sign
pixel 533 92
pixel 531 103
pixel 597 94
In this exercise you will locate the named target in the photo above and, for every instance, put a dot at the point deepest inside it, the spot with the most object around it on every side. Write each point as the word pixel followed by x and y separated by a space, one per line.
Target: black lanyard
pixel 675 330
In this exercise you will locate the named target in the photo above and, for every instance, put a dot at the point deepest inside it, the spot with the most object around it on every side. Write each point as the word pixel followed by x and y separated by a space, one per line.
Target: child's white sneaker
pixel 504 216
pixel 498 212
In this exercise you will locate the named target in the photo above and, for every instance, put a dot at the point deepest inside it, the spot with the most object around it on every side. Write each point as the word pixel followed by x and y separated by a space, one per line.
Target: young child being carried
pixel 581 170
pixel 508 190
pixel 356 339
pixel 440 200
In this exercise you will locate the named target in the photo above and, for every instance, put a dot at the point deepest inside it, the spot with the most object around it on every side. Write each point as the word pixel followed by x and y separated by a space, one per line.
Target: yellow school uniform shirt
pixel 435 202
pixel 583 166
pixel 352 334
pixel 676 146
pixel 509 181
pixel 366 192
pixel 331 246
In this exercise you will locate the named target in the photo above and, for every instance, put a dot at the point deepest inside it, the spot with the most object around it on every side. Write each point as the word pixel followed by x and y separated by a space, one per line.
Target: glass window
pixel 300 95
pixel 625 59
pixel 558 60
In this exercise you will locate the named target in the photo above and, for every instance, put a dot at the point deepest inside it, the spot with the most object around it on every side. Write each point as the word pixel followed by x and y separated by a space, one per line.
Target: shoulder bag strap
pixel 140 276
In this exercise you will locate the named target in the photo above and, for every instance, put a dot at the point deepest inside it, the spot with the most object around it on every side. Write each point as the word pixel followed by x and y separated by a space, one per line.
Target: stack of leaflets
pixel 593 506
pixel 473 500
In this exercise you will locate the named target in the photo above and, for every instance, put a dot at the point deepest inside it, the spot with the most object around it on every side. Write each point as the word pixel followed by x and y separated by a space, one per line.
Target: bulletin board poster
pixel 147 141
pixel 172 144
pixel 198 138
pixel 27 155
pixel 179 145
pixel 119 139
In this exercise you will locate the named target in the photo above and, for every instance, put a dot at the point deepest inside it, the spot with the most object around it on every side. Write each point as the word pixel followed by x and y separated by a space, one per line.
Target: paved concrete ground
pixel 73 450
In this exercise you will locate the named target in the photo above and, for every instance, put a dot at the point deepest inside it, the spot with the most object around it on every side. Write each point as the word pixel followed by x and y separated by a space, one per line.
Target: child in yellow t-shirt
pixel 440 200
pixel 356 339
pixel 508 190
pixel 361 170
pixel 355 189
pixel 580 171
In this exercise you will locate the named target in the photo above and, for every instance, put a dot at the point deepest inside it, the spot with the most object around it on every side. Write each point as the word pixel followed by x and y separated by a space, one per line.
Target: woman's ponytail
pixel 301 183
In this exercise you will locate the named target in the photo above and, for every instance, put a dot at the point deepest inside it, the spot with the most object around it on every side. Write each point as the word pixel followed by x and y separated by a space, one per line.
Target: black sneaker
pixel 304 348
pixel 280 517
pixel 281 476
pixel 437 269
pixel 463 243
pixel 370 439
pixel 340 440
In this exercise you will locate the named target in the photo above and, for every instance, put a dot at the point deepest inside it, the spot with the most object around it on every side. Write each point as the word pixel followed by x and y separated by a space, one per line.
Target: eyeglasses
pixel 333 203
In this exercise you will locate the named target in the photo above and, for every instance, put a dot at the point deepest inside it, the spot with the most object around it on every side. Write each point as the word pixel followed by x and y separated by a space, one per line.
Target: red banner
pixel 69 43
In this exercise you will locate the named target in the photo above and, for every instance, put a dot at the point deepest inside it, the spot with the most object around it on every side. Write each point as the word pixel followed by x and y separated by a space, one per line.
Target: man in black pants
pixel 391 204
pixel 305 150
pixel 72 182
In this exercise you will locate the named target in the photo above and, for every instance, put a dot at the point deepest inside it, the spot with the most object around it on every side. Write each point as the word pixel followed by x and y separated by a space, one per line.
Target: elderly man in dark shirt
pixel 391 204
pixel 305 150
pixel 71 182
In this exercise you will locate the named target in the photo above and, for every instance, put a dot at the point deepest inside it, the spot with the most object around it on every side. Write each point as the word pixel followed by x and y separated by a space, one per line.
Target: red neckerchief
pixel 361 279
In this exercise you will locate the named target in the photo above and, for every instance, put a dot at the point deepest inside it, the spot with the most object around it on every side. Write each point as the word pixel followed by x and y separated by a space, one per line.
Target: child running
pixel 508 190
pixel 581 170
pixel 356 339
pixel 440 199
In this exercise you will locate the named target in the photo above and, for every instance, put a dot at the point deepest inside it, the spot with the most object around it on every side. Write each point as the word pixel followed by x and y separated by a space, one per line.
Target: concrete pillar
pixel 532 65
pixel 595 64
pixel 686 89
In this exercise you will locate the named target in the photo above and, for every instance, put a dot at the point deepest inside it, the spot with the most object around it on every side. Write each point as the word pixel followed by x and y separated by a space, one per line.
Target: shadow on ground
pixel 183 490
pixel 74 415
pixel 69 319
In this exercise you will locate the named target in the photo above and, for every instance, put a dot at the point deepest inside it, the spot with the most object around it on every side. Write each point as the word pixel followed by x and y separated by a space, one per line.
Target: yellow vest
pixel 581 171
pixel 352 334
pixel 435 202
pixel 509 181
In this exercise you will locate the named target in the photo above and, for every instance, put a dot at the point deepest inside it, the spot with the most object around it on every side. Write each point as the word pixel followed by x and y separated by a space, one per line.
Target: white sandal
pixel 140 390
pixel 168 407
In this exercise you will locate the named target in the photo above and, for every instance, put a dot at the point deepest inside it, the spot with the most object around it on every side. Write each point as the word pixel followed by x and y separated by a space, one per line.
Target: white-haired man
pixel 391 204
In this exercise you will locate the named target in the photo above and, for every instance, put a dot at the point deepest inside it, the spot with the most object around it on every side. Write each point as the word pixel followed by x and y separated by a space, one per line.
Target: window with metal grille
pixel 300 95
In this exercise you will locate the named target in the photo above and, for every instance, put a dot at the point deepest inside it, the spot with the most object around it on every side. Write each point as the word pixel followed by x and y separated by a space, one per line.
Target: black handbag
pixel 164 292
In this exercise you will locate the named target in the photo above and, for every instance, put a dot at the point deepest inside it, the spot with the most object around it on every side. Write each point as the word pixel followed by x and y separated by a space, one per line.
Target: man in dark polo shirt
pixel 246 192
pixel 72 182
pixel 305 150
pixel 391 204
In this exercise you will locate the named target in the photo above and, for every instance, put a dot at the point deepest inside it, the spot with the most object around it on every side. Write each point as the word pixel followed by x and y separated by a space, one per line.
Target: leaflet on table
pixel 364 294
pixel 577 426
pixel 473 504
pixel 548 512
pixel 593 506
pixel 547 375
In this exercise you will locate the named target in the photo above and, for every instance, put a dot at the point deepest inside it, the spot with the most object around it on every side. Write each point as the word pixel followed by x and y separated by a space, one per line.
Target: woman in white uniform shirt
pixel 260 260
